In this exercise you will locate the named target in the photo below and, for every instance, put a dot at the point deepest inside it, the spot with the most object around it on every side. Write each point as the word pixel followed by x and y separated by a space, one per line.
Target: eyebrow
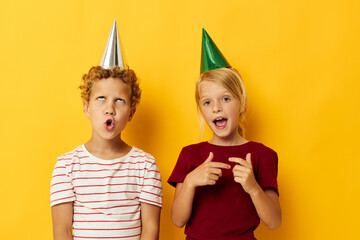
pixel 222 94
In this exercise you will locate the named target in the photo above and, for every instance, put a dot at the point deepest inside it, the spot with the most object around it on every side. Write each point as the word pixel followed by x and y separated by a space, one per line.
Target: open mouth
pixel 109 124
pixel 220 122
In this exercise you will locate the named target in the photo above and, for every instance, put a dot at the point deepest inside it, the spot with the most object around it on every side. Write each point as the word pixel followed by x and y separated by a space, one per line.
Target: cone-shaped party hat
pixel 211 57
pixel 112 56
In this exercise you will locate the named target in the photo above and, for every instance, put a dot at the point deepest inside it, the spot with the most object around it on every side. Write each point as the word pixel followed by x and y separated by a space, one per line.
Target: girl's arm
pixel 266 202
pixel 62 216
pixel 205 174
pixel 267 206
pixel 182 205
pixel 150 221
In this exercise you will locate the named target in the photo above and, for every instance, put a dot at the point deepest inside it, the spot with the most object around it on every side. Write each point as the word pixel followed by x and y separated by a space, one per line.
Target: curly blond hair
pixel 96 73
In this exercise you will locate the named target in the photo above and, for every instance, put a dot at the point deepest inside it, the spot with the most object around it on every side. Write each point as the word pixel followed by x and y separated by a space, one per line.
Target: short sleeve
pixel 61 189
pixel 151 191
pixel 267 171
pixel 180 170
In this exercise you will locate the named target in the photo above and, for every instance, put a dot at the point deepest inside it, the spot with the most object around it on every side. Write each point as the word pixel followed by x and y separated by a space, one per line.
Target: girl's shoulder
pixel 250 145
pixel 263 152
pixel 195 151
pixel 194 146
pixel 259 146
pixel 203 148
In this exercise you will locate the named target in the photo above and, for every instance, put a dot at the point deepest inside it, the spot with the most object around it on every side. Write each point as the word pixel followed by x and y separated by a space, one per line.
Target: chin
pixel 110 136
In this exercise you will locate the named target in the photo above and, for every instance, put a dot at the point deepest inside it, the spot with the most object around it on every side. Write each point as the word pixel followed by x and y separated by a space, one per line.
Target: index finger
pixel 219 165
pixel 238 160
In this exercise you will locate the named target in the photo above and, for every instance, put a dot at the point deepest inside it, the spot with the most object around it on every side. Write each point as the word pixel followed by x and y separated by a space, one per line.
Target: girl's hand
pixel 244 174
pixel 207 173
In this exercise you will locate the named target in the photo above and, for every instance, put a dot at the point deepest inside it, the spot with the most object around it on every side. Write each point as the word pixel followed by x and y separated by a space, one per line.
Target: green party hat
pixel 211 57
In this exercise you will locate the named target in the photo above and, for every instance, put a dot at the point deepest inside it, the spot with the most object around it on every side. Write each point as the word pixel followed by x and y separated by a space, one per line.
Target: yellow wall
pixel 299 59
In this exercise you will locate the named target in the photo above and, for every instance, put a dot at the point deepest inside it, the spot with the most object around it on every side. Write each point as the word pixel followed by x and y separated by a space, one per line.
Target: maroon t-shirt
pixel 224 210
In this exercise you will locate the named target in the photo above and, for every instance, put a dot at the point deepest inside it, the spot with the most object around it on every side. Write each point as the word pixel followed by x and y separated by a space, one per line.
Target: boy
pixel 105 189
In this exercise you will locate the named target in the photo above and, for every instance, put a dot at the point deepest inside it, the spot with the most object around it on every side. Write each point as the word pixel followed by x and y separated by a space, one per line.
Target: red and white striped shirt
pixel 106 193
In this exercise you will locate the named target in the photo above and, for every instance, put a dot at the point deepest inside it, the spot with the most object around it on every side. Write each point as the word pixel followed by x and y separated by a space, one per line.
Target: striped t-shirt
pixel 106 193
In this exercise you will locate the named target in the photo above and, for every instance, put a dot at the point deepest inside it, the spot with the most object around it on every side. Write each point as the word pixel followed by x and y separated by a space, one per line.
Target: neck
pixel 106 146
pixel 233 140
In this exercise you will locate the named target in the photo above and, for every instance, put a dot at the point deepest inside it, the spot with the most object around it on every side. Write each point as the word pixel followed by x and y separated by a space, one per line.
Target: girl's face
pixel 221 111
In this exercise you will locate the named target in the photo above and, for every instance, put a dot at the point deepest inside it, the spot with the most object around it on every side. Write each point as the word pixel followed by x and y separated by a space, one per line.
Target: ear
pixel 132 112
pixel 86 109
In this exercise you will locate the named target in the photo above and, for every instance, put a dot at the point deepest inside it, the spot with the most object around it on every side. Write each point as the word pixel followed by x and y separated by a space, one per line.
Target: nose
pixel 216 107
pixel 109 110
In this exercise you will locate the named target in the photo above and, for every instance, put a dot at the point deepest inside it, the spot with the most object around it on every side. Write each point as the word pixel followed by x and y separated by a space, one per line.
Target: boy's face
pixel 109 108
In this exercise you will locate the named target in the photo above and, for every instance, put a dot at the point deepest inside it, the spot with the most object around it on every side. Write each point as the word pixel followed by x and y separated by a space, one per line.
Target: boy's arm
pixel 62 216
pixel 150 221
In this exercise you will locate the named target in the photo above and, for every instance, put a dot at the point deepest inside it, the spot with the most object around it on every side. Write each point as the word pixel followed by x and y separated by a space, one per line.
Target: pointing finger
pixel 220 165
pixel 210 157
pixel 239 161
pixel 248 158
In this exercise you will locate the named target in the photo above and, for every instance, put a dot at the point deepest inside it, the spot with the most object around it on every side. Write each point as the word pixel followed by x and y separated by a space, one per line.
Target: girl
pixel 226 185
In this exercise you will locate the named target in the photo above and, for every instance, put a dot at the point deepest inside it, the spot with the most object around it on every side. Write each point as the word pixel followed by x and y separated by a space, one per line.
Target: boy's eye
pixel 120 100
pixel 101 98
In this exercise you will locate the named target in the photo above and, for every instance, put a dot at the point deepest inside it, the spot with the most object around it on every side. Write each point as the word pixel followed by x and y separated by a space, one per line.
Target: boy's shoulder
pixel 67 161
pixel 139 153
pixel 80 152
pixel 77 153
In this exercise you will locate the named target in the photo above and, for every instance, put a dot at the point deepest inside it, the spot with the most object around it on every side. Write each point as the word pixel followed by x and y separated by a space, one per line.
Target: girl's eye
pixel 206 103
pixel 101 98
pixel 120 100
pixel 226 99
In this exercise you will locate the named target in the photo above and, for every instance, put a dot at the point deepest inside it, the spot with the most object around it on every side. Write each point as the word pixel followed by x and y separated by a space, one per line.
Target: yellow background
pixel 299 60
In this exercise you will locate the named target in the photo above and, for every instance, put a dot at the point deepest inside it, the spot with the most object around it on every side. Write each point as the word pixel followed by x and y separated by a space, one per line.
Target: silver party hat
pixel 112 56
